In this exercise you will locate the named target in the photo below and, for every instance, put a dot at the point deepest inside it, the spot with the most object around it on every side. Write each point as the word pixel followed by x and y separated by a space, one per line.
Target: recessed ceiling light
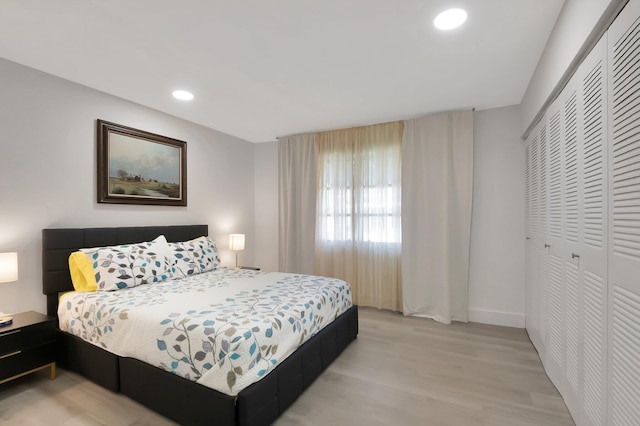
pixel 183 95
pixel 450 19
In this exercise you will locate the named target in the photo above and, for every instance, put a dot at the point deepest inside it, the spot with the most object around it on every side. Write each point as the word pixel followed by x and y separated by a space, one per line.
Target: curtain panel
pixel 297 159
pixel 358 228
pixel 437 188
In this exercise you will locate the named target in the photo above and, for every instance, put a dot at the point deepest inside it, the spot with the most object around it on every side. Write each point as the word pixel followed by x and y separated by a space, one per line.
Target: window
pixel 359 197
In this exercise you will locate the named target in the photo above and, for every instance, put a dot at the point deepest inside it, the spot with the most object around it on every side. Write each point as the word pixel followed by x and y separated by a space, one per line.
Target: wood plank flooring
pixel 400 371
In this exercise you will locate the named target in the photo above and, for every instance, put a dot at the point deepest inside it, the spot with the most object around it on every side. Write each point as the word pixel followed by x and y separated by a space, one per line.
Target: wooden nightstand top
pixel 25 319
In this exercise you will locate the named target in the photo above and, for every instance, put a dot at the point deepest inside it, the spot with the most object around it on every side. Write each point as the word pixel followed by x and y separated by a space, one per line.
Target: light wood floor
pixel 400 371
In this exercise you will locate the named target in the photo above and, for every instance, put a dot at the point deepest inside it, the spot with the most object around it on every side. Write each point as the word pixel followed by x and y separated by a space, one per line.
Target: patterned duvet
pixel 223 329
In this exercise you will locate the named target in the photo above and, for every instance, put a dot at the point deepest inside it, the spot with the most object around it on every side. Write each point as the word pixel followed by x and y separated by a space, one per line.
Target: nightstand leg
pixel 53 370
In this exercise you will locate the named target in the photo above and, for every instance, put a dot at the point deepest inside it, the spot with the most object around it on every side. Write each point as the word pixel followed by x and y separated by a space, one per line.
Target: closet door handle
pixel 528 238
pixel 547 245
pixel 573 255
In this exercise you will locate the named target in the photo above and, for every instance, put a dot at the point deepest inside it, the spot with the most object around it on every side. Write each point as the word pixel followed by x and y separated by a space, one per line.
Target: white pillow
pixel 193 257
pixel 130 265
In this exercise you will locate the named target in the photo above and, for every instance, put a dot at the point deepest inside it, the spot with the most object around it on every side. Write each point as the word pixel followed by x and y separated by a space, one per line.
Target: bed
pixel 176 397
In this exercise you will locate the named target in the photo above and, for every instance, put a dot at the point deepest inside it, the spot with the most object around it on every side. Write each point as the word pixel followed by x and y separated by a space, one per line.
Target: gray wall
pixel 48 173
pixel 266 220
pixel 497 268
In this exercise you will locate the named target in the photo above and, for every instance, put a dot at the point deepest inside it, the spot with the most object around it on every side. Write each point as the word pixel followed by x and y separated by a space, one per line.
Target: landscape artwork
pixel 137 167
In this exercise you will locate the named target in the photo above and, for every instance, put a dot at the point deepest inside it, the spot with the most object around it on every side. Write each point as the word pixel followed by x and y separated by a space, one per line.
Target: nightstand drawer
pixel 27 337
pixel 10 341
pixel 19 361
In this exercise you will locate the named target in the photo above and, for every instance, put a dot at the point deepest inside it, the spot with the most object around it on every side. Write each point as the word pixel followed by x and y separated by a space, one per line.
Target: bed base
pixel 190 403
pixel 177 398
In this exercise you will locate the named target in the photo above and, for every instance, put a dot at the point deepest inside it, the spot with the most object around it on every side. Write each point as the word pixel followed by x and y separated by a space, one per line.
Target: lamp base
pixel 5 321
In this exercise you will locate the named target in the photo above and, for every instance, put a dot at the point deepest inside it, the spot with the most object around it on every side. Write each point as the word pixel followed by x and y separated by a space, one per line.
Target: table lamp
pixel 236 243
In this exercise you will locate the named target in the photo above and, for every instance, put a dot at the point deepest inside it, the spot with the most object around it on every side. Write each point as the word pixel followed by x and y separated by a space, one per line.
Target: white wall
pixel 266 210
pixel 576 20
pixel 497 263
pixel 48 173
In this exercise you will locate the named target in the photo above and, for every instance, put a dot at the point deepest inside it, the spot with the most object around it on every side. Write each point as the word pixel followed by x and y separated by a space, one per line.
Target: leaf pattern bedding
pixel 224 329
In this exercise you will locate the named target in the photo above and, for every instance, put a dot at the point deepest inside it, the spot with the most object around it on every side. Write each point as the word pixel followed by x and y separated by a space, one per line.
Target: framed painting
pixel 138 167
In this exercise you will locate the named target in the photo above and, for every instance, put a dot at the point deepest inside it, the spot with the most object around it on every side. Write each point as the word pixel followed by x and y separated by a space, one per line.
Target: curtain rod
pixel 365 125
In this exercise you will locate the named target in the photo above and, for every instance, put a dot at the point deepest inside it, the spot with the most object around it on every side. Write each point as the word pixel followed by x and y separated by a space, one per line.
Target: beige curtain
pixel 297 160
pixel 437 187
pixel 358 228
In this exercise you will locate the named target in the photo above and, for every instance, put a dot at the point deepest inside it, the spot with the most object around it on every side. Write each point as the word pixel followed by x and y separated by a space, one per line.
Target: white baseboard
pixel 508 319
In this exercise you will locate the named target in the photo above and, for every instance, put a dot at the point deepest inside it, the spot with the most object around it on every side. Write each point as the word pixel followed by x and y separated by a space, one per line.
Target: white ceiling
pixel 266 68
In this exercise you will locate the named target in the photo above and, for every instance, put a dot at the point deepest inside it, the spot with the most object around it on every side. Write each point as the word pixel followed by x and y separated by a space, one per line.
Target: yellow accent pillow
pixel 82 274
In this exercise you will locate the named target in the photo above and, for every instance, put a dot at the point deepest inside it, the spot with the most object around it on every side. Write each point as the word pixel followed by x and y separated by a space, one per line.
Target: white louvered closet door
pixel 555 250
pixel 585 259
pixel 531 298
pixel 592 244
pixel 572 196
pixel 624 220
pixel 543 214
pixel 534 231
pixel 535 193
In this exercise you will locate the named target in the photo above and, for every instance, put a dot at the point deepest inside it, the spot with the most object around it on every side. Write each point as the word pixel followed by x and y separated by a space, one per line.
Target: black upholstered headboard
pixel 58 244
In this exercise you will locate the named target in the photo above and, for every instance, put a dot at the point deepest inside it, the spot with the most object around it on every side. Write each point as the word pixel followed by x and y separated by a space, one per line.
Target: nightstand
pixel 253 268
pixel 27 345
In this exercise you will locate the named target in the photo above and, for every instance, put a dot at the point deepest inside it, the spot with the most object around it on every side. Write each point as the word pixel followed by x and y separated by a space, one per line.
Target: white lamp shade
pixel 236 241
pixel 8 267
